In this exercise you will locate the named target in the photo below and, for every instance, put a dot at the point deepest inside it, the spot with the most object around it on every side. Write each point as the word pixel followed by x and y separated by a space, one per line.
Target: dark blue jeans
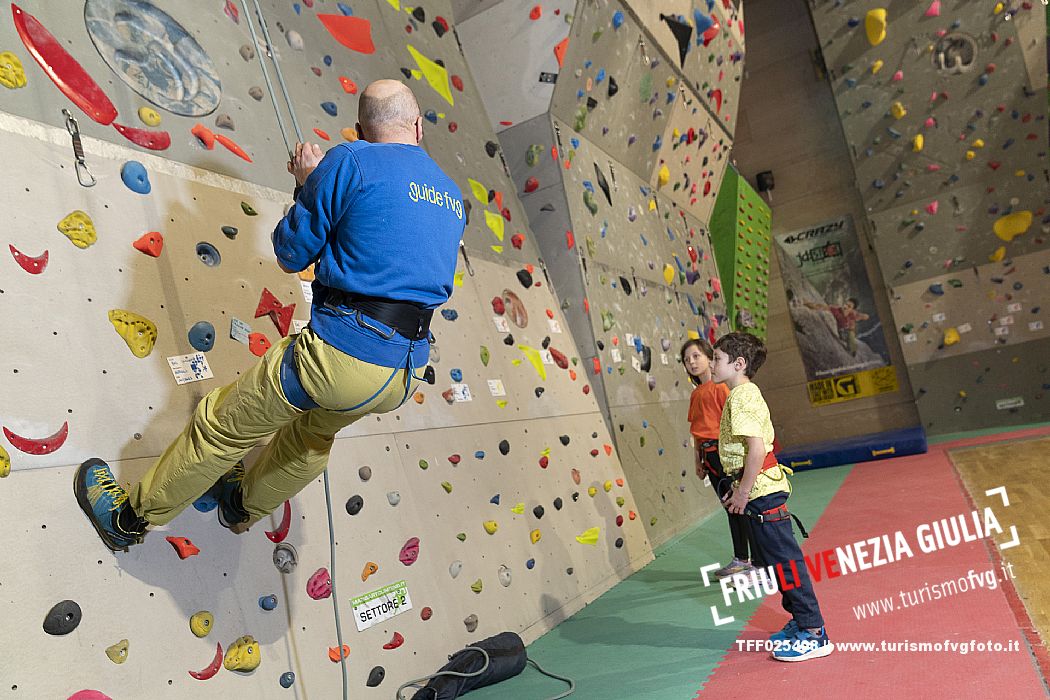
pixel 775 543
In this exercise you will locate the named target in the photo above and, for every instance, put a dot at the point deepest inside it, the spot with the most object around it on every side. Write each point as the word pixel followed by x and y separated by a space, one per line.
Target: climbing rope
pixel 458 674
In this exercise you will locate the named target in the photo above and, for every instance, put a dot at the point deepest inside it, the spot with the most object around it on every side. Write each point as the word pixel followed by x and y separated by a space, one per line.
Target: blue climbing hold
pixel 208 254
pixel 703 23
pixel 659 141
pixel 645 424
pixel 575 142
pixel 449 314
pixel 480 454
pixel 530 564
pixel 853 21
pixel 600 77
pixel 135 177
pixel 431 116
pixel 298 8
pixel 937 289
pixel 494 500
pixel 457 375
pixel 327 60
pixel 617 20
pixel 268 602
pixel 287 678
pixel 330 108
pixel 206 503
pixel 202 336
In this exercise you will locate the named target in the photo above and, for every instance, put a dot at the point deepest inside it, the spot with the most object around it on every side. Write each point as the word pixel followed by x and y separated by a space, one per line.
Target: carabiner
pixel 84 176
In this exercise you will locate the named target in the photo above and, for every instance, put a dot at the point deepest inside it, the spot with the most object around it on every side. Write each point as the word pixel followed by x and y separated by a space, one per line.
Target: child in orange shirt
pixel 705 415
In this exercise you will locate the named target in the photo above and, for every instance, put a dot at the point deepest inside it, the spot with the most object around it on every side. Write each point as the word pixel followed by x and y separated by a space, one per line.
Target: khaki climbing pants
pixel 230 421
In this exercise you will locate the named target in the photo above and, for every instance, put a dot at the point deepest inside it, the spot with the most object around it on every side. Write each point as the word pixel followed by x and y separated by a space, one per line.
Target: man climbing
pixel 846 317
pixel 382 223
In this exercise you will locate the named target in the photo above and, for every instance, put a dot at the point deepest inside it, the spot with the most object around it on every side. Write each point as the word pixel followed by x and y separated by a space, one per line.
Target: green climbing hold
pixel 247 209
pixel 641 441
pixel 423 464
pixel 581 118
pixel 619 501
pixel 955 283
pixel 652 521
pixel 592 247
pixel 607 321
pixel 462 537
pixel 532 156
pixel 476 586
pixel 588 201
pixel 447 486
pixel 484 356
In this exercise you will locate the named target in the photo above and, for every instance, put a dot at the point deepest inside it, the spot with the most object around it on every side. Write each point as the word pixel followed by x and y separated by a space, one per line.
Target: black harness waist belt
pixel 406 318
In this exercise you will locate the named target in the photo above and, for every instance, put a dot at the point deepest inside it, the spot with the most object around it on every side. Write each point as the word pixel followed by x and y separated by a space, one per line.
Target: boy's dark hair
pixel 705 347
pixel 855 302
pixel 746 346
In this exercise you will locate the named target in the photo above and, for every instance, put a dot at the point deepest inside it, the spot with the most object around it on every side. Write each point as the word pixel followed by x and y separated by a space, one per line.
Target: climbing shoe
pixel 105 503
pixel 227 492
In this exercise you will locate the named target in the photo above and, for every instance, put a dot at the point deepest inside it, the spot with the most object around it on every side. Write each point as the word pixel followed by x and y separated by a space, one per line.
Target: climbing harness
pixel 84 176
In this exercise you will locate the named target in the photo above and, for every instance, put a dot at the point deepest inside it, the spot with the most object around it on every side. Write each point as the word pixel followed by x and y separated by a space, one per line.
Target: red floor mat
pixel 880 498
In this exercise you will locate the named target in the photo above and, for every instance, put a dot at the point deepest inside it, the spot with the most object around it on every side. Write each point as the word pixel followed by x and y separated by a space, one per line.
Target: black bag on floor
pixel 506 659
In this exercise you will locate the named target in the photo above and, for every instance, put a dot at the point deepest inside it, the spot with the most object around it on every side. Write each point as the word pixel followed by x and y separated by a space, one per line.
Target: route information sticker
pixel 372 608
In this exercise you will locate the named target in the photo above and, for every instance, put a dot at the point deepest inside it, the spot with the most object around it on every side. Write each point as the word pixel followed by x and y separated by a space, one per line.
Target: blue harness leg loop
pixel 290 384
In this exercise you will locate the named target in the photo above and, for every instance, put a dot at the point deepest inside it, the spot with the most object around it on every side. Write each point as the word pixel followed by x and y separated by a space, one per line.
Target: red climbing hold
pixel 559 358
pixel 532 184
pixel 322 134
pixel 258 344
pixel 267 303
pixel 517 240
pixel 550 315
pixel 498 306
pixel 355 33
pixel 535 13
pixel 153 140
pixel 42 446
pixel 544 461
pixel 33 266
pixel 278 535
pixel 183 547
pixel 619 521
pixel 89 695
pixel 619 482
pixel 151 243
pixel 596 365
pixel 454 459
pixel 608 449
pixel 559 51
pixel 204 135
pixel 570 240
pixel 348 85
pixel 232 147
pixel 282 318
pixel 586 389
pixel 396 641
pixel 594 453
pixel 232 12
pixel 457 82
pixel 68 75
pixel 425 614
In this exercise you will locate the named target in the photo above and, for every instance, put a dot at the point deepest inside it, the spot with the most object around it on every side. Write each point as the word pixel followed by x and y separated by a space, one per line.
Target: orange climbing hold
pixel 370 568
pixel 348 85
pixel 151 243
pixel 258 344
pixel 183 547
pixel 232 147
pixel 535 13
pixel 335 656
pixel 355 33
pixel 559 51
pixel 322 134
pixel 204 135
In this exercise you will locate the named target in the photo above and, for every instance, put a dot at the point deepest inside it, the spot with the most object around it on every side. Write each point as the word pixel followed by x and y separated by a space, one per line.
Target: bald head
pixel 387 112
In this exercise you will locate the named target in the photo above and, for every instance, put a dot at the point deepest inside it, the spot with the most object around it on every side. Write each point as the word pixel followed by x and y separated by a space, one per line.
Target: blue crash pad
pixel 863 448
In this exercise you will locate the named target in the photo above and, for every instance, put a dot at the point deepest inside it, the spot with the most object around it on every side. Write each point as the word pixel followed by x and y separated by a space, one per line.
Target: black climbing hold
pixel 63 618
pixel 230 232
pixel 569 571
pixel 429 376
pixel 557 503
pixel 546 342
pixel 621 427
pixel 439 62
pixel 575 496
pixel 564 439
pixel 594 435
pixel 208 254
pixel 619 542
pixel 376 675
pixel 407 73
pixel 508 340
pixel 602 183
pixel 682 34
pixel 492 195
pixel 491 147
pixel 547 207
pixel 354 504
pixel 600 344
pixel 525 277
pixel 439 28
pixel 539 391
pixel 647 358
pixel 625 284
pixel 419 15
pixel 538 512
pixel 504 447
pixel 613 87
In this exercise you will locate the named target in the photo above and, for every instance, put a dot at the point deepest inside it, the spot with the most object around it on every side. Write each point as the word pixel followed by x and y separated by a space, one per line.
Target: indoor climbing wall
pixel 495 499
pixel 618 182
pixel 944 107
pixel 741 226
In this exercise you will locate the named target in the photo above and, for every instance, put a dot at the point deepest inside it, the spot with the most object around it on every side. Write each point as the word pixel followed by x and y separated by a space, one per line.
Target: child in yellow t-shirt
pixel 760 489
pixel 705 413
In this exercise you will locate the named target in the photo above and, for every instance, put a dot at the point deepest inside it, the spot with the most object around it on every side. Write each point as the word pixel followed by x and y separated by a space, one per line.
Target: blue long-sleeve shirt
pixel 379 220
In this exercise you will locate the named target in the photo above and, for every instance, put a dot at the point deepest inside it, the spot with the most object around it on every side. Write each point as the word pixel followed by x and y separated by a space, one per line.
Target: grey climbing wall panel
pixel 946 120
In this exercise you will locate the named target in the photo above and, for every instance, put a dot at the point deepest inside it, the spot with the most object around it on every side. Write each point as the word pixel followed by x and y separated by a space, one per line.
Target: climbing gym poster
pixel 833 311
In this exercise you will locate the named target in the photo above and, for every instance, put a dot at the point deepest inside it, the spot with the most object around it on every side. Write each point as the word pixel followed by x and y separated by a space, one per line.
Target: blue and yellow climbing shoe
pixel 104 502
pixel 227 492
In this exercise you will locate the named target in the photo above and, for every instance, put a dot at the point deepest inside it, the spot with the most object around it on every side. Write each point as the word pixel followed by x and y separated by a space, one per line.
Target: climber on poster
pixel 846 317
pixel 382 223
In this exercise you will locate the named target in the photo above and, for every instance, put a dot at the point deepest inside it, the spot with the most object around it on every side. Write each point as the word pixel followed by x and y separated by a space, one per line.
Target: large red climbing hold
pixel 267 303
pixel 532 184
pixel 41 446
pixel 559 51
pixel 153 140
pixel 355 33
pixel 278 535
pixel 68 75
pixel 212 668
pixel 396 641
pixel 282 318
pixel 151 243
pixel 559 358
pixel 258 344
pixel 33 266
pixel 183 547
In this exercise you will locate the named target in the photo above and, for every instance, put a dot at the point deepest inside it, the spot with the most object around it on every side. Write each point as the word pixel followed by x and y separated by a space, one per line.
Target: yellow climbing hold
pixel 495 223
pixel 918 142
pixel 607 486
pixel 1019 173
pixel 978 143
pixel 534 357
pixel 12 75
pixel 664 176
pixel 435 74
pixel 951 336
pixel 875 25
pixel 480 192
pixel 1012 225
pixel 201 623
pixel 447 486
pixel 589 536
pixel 998 8
pixel 668 273
pixel 477 586
pixel 149 116
pixel 876 67
pixel 592 491
pixel 898 111
pixel 652 205
pixel 396 4
pixel 970 155
pixel 5 462
pixel 535 536
pixel 962 394
pixel 519 508
pixel 348 133
pixel 457 281
pixel 490 526
pixel 502 403
pixel 118 653
pixel 243 655
pixel 692 335
pixel 998 255
pixel 138 332
pixel 78 227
